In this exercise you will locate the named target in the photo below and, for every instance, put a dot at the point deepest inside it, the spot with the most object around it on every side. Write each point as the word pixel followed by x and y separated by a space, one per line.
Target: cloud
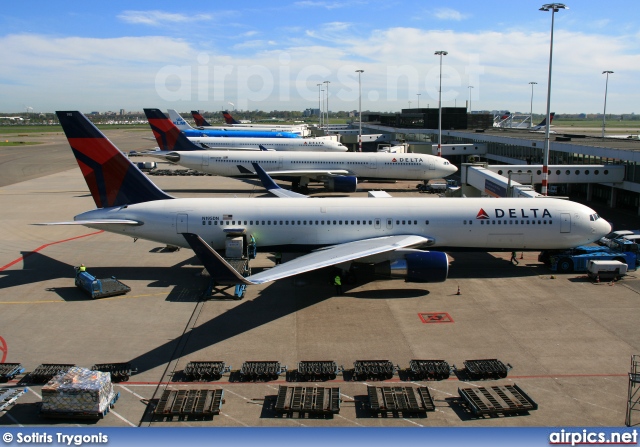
pixel 50 72
pixel 449 14
pixel 158 18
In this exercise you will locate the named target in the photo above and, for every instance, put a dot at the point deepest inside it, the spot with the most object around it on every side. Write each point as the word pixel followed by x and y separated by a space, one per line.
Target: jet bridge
pixel 517 180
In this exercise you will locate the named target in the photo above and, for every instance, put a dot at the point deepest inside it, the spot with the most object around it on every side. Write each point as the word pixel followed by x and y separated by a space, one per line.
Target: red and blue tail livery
pixel 199 119
pixel 168 136
pixel 229 119
pixel 112 179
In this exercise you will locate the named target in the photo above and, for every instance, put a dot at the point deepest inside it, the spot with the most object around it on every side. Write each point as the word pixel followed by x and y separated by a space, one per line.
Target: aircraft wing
pixel 313 173
pixel 223 273
pixel 272 187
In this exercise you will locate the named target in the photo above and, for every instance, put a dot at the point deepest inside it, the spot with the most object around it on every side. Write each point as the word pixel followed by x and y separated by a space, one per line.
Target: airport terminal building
pixel 418 129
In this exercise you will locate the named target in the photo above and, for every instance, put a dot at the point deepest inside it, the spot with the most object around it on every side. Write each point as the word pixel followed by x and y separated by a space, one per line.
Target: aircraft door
pixel 182 223
pixel 373 163
pixel 432 164
pixel 280 162
pixel 565 223
pixel 205 160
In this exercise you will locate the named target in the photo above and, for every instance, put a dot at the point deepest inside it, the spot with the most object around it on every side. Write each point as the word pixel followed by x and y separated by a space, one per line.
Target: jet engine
pixel 416 266
pixel 344 183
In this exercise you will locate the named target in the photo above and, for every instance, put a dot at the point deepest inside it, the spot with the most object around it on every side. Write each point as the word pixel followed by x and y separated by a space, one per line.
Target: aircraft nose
pixel 452 169
pixel 606 227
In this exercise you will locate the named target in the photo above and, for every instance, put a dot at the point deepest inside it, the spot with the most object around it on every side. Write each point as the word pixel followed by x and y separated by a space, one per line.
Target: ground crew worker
pixel 278 257
pixel 514 259
pixel 82 268
pixel 337 281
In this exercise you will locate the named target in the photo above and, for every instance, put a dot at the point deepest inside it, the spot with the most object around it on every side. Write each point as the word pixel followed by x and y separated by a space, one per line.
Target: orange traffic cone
pixel 458 293
pixel 598 278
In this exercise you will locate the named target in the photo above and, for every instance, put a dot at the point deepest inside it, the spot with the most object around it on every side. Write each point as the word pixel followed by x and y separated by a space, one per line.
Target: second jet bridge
pixel 516 180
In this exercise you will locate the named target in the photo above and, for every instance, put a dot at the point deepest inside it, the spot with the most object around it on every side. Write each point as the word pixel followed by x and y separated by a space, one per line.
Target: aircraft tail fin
pixel 178 121
pixel 229 119
pixel 167 135
pixel 111 177
pixel 199 119
pixel 543 123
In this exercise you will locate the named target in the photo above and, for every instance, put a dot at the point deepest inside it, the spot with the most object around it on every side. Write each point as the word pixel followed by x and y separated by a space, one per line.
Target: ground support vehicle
pixel 100 288
pixel 576 259
pixel 240 248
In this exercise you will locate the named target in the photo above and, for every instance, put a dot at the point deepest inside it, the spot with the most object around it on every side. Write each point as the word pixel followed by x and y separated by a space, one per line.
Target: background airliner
pixel 160 124
pixel 338 171
pixel 298 129
pixel 237 132
pixel 387 232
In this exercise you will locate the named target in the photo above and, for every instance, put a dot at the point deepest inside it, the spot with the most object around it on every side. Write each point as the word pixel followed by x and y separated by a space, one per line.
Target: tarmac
pixel 569 341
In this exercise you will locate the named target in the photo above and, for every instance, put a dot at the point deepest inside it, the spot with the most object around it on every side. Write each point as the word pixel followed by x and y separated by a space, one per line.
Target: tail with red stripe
pixel 199 119
pixel 112 179
pixel 168 136
pixel 229 119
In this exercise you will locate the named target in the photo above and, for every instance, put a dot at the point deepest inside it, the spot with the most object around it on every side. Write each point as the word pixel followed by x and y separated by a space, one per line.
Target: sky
pixel 259 55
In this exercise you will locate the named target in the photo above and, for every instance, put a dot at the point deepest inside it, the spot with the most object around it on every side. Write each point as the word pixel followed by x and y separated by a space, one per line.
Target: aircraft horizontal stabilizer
pixel 95 222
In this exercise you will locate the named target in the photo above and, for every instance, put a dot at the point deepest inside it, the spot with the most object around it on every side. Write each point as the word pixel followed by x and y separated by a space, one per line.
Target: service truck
pixel 577 259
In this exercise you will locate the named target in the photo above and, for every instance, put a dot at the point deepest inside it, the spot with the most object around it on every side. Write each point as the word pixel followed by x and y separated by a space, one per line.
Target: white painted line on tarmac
pixel 135 394
pixel 122 418
pixel 234 419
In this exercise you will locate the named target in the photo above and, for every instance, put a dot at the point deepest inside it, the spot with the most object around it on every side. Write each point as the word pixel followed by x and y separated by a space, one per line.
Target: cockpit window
pixel 594 217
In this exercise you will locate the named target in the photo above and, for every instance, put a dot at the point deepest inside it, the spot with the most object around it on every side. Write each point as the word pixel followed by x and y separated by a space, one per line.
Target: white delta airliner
pixel 390 233
pixel 157 120
pixel 338 171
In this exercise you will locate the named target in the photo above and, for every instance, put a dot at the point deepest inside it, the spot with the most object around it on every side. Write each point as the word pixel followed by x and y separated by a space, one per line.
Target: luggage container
pixel 606 269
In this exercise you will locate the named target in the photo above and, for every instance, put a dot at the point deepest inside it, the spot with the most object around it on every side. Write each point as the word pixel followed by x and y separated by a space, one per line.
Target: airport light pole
pixel 470 87
pixel 531 109
pixel 606 85
pixel 440 53
pixel 359 110
pixel 327 121
pixel 553 7
pixel 319 107
pixel 418 95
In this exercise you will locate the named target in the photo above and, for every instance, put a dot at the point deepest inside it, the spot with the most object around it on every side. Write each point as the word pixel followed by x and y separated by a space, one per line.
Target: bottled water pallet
pixel 189 404
pixel 308 400
pixel 204 371
pixel 9 370
pixel 262 370
pixel 47 371
pixel 507 399
pixel 429 369
pixel 8 396
pixel 399 399
pixel 317 370
pixel 80 414
pixel 120 372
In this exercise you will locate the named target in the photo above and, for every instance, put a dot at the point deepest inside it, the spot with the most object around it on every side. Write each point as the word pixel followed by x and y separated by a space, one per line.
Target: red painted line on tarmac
pixel 42 247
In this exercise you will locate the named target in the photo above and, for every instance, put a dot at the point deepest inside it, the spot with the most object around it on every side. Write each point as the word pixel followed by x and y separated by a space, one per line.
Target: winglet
pixel 220 270
pixel 262 148
pixel 167 135
pixel 271 186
